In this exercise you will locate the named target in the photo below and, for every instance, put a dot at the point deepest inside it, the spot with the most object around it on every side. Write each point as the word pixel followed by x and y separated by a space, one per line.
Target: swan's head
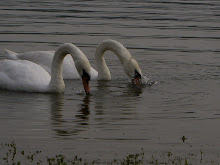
pixel 84 69
pixel 133 70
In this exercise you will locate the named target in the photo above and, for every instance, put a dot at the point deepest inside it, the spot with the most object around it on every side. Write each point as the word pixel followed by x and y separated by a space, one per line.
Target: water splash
pixel 148 81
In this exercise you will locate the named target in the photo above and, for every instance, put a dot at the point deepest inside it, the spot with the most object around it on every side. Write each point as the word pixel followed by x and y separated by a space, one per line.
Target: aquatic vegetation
pixel 11 155
pixel 184 138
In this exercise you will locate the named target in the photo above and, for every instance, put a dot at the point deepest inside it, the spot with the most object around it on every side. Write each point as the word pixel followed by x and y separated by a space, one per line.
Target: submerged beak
pixel 86 85
pixel 137 79
pixel 85 80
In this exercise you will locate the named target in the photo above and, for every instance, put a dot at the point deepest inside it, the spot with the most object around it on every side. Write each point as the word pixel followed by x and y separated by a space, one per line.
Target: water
pixel 177 46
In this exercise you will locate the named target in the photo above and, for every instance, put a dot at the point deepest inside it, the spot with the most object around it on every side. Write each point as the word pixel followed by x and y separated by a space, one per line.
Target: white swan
pixel 23 75
pixel 44 59
pixel 130 65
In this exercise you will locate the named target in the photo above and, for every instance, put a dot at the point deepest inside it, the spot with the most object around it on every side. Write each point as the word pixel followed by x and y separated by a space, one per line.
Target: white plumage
pixel 23 75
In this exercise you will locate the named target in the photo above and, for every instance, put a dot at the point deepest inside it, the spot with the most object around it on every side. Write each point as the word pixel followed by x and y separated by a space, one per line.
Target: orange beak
pixel 85 81
pixel 137 79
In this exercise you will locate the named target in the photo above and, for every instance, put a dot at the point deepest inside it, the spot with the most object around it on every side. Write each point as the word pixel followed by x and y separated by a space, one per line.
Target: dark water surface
pixel 177 44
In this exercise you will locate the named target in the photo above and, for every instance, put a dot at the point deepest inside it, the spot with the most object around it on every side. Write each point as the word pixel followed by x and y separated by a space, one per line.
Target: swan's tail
pixel 10 55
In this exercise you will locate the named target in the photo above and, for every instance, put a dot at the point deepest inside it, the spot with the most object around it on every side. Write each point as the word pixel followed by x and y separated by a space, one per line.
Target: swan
pixel 44 59
pixel 130 65
pixel 24 75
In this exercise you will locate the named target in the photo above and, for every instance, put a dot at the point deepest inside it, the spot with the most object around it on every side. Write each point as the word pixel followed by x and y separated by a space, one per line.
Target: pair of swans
pixel 43 71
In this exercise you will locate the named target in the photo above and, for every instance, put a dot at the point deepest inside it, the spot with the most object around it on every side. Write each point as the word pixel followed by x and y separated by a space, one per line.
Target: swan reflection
pixel 71 122
pixel 117 94
pixel 57 103
pixel 84 112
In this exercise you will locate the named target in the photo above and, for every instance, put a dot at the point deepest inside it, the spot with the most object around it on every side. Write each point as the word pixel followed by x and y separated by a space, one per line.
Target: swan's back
pixel 44 59
pixel 22 75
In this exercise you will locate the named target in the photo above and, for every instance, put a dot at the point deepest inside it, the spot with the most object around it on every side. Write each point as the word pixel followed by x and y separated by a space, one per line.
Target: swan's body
pixel 44 59
pixel 130 65
pixel 23 75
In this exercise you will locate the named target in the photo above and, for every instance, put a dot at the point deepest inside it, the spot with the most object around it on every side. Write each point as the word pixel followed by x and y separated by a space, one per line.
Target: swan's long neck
pixel 56 82
pixel 114 46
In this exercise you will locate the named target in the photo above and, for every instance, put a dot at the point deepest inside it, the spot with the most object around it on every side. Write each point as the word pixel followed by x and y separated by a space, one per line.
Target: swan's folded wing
pixel 23 76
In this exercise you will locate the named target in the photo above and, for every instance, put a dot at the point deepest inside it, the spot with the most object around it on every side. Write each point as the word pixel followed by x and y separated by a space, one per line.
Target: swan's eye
pixel 85 75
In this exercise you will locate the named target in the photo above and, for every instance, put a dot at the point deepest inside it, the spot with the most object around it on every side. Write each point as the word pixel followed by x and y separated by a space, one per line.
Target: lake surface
pixel 177 45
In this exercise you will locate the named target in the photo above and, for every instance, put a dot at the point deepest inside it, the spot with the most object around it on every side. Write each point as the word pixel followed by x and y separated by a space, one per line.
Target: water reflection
pixel 103 87
pixel 66 123
pixel 133 90
pixel 57 103
pixel 120 88
pixel 84 112
pixel 116 97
